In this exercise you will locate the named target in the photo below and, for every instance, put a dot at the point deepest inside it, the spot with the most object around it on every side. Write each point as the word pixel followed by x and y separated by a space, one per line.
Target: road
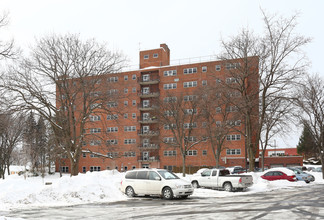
pixel 293 203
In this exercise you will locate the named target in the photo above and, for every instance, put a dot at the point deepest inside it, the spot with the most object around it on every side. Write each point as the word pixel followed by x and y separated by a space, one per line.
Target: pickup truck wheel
pixel 130 191
pixel 167 193
pixel 227 187
pixel 195 184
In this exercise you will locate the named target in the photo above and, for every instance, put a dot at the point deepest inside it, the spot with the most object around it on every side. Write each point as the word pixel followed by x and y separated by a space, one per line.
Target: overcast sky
pixel 189 28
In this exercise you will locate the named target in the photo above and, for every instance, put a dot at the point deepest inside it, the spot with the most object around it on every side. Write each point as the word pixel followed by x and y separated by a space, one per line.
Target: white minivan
pixel 155 182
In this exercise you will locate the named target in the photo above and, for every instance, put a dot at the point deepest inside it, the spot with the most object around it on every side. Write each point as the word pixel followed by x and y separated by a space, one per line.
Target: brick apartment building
pixel 134 137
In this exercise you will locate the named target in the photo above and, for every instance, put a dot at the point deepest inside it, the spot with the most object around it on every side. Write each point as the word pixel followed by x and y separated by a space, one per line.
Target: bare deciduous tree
pixel 310 99
pixel 11 130
pixel 277 64
pixel 178 114
pixel 65 81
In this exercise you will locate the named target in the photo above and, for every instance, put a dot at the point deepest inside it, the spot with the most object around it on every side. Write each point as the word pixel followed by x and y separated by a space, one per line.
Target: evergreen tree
pixel 30 146
pixel 306 144
pixel 41 143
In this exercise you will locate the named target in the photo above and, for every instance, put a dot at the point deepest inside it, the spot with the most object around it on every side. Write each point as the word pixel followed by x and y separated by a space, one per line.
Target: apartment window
pixel 112 142
pixel 84 155
pixel 191 139
pixel 95 118
pixel 169 113
pixel 191 153
pixel 218 81
pixel 155 55
pixel 146 57
pixel 189 125
pixel 218 109
pixel 129 128
pixel 134 77
pixel 233 151
pixel 92 106
pixel 112 91
pixel 112 104
pixel 233 137
pixel 130 141
pixel 125 103
pixel 170 99
pixel 95 168
pixel 134 90
pixel 169 140
pixel 95 142
pixel 204 69
pixel 189 98
pixel 113 79
pixel 125 77
pixel 231 109
pixel 94 155
pixel 112 129
pixel 170 86
pixel 112 154
pixel 189 84
pixel 190 70
pixel 169 126
pixel 204 152
pixel 125 90
pixel 232 66
pixel 170 73
pixel 218 123
pixel 231 80
pixel 84 169
pixel 95 130
pixel 234 123
pixel 129 154
pixel 112 117
pixel 126 115
pixel 95 94
pixel 133 102
pixel 190 111
pixel 218 67
pixel 134 115
pixel 204 124
pixel 204 82
pixel 65 169
pixel 169 153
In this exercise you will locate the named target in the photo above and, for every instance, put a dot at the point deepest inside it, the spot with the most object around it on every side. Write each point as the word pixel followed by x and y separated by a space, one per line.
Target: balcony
pixel 148 133
pixel 148 159
pixel 148 120
pixel 149 146
pixel 148 80
pixel 148 94
pixel 141 107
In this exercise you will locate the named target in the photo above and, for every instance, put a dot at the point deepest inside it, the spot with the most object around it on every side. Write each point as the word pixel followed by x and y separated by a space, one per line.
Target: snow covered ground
pixel 33 192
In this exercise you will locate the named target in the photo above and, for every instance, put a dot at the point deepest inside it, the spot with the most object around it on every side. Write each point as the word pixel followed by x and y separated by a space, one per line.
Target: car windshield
pixel 167 175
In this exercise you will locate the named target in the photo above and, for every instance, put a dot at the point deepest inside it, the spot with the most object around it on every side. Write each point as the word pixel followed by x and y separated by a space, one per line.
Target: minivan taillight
pixel 240 181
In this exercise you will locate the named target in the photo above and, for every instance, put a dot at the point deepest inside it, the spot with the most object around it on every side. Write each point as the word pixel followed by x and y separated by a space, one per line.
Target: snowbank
pixel 97 187
pixel 16 192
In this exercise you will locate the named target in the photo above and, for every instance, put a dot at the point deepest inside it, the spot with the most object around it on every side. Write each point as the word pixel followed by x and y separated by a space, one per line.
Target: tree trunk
pixel 74 167
pixel 183 165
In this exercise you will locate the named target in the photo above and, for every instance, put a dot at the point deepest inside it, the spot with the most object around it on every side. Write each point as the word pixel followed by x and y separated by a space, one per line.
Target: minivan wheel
pixel 195 184
pixel 227 187
pixel 167 193
pixel 130 191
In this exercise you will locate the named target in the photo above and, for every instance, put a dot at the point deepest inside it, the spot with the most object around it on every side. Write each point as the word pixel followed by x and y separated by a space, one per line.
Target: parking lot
pixel 295 203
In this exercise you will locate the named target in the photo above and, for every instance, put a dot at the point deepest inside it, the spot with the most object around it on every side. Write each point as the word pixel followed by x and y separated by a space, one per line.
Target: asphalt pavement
pixel 292 203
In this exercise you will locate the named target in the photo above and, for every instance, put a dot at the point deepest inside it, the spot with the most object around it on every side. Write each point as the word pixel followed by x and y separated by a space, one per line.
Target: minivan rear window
pixel 131 175
pixel 141 175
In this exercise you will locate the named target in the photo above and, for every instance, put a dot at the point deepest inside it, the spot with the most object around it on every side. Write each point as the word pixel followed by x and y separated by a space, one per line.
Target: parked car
pixel 318 169
pixel 221 179
pixel 155 182
pixel 279 174
pixel 302 176
pixel 236 169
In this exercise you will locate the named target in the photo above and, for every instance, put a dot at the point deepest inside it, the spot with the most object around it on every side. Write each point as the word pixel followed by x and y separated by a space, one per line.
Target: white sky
pixel 190 28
